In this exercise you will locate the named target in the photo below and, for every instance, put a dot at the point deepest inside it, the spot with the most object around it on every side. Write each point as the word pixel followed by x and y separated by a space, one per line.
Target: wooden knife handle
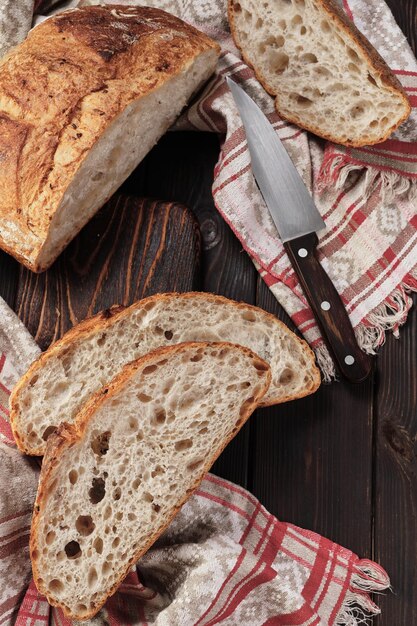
pixel 328 309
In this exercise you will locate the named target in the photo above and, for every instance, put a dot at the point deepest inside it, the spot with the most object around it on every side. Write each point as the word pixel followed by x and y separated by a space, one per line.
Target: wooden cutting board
pixel 131 249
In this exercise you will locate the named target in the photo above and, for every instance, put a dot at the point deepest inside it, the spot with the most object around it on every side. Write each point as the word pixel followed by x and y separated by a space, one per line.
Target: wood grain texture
pixel 131 249
pixel 312 459
pixel 9 277
pixel 395 448
pixel 395 474
pixel 190 158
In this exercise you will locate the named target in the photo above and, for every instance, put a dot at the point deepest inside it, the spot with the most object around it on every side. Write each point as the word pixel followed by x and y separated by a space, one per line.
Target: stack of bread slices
pixel 131 408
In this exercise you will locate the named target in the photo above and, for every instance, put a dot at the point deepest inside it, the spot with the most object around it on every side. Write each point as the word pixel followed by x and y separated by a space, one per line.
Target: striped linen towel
pixel 223 560
pixel 367 196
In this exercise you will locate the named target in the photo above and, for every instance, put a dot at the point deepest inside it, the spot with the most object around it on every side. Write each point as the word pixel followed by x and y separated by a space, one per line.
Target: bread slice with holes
pixel 82 100
pixel 112 481
pixel 325 75
pixel 89 355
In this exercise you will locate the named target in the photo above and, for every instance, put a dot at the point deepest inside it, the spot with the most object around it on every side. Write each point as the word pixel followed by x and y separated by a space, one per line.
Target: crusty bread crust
pixel 109 317
pixel 370 55
pixel 61 89
pixel 67 435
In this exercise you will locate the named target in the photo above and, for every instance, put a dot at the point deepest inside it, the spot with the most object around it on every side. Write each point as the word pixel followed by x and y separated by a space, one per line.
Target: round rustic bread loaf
pixel 82 101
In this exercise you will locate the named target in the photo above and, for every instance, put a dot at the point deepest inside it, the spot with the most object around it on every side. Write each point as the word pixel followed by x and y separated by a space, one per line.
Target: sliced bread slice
pixel 90 355
pixel 324 73
pixel 111 482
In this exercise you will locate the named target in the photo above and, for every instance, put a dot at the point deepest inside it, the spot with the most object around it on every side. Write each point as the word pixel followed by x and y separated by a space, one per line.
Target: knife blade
pixel 297 219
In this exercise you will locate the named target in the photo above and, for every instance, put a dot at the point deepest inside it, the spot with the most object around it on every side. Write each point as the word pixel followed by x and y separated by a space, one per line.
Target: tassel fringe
pixel 325 363
pixel 337 168
pixel 358 608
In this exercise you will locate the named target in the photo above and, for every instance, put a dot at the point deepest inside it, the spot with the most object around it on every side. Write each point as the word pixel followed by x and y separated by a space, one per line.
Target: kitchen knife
pixel 297 220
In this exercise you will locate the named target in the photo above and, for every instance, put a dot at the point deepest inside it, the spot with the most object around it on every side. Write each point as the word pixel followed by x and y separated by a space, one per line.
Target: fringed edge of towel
pixel 392 313
pixel 358 607
pixel 337 167
pixel 371 332
pixel 325 363
pixel 389 315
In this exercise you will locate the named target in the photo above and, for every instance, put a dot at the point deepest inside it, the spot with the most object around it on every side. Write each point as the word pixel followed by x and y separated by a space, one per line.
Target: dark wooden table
pixel 342 462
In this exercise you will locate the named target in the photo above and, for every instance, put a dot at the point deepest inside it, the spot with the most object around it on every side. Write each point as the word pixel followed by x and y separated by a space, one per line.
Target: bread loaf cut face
pixel 89 355
pixel 113 481
pixel 325 75
pixel 82 101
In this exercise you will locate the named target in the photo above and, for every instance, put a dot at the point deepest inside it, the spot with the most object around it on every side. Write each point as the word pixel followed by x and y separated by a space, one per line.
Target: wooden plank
pixel 395 485
pixel 312 463
pixel 180 168
pixel 395 527
pixel 131 249
pixel 9 277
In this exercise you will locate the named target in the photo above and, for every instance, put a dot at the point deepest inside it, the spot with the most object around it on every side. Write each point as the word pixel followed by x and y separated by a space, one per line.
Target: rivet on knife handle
pixel 328 309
